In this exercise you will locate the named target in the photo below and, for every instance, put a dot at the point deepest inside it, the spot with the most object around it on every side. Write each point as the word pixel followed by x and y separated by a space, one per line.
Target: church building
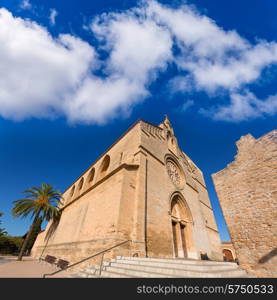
pixel 143 190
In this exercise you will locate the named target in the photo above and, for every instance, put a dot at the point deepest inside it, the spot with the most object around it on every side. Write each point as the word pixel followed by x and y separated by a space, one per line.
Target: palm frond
pixel 41 201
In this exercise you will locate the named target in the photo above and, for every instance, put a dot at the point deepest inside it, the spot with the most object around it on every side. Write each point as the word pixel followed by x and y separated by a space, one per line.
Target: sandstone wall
pixel 126 195
pixel 203 230
pixel 247 192
pixel 98 209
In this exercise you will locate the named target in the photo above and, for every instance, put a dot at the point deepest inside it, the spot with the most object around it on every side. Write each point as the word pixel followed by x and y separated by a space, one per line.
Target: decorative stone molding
pixel 175 172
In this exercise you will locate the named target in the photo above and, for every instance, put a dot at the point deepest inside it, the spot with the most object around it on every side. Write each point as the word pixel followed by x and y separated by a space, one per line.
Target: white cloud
pixel 100 99
pixel 232 73
pixel 213 57
pixel 25 4
pixel 45 76
pixel 137 47
pixel 187 105
pixel 181 84
pixel 245 106
pixel 137 51
pixel 37 71
pixel 53 15
pixel 195 32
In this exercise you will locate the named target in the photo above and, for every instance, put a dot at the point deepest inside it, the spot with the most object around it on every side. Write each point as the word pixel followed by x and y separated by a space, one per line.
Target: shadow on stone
pixel 49 233
pixel 268 256
pixel 204 256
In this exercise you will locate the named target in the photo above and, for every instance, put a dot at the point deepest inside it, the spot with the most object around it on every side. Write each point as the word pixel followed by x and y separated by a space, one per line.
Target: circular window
pixel 174 172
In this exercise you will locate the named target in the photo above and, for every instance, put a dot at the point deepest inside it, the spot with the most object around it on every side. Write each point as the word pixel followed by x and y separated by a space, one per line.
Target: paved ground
pixel 27 268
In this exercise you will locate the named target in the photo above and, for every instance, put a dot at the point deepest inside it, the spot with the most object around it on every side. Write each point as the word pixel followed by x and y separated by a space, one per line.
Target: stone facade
pixel 247 192
pixel 143 189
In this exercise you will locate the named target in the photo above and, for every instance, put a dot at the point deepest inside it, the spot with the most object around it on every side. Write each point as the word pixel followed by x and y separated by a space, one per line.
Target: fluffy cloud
pixel 197 35
pixel 187 105
pixel 46 76
pixel 100 99
pixel 137 49
pixel 53 15
pixel 213 58
pixel 229 72
pixel 136 46
pixel 25 4
pixel 245 106
pixel 37 71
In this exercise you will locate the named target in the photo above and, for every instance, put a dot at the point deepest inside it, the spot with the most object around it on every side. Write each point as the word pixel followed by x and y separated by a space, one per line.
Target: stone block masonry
pixel 247 192
pixel 145 190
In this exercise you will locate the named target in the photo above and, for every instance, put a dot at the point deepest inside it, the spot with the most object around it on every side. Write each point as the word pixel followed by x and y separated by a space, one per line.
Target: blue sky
pixel 74 75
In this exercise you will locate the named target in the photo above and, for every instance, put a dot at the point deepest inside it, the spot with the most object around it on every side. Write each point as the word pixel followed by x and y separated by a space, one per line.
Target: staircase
pixel 138 267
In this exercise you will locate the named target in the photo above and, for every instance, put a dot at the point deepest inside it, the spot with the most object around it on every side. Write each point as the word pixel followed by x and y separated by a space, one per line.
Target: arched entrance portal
pixel 181 222
pixel 228 255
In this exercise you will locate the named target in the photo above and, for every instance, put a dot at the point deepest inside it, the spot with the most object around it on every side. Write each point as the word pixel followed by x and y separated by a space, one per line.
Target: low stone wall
pixel 76 251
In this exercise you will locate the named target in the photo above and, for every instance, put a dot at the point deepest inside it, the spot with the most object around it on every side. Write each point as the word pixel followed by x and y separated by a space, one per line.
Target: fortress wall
pixel 247 192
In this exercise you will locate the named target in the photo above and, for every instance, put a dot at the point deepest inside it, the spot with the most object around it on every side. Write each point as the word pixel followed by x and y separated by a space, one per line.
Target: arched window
pixel 104 166
pixel 91 175
pixel 228 255
pixel 80 185
pixel 72 191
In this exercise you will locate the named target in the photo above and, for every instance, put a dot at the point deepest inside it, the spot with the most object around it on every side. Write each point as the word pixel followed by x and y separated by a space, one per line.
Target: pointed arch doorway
pixel 181 223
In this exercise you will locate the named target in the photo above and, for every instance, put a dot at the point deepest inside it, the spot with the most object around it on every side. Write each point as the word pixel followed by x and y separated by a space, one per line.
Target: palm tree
pixel 39 202
pixel 2 230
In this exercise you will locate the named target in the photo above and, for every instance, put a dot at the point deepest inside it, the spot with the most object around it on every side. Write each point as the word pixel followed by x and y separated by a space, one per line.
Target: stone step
pixel 114 274
pixel 80 274
pixel 178 261
pixel 87 273
pixel 175 265
pixel 104 274
pixel 149 271
pixel 139 267
pixel 127 272
pixel 117 272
